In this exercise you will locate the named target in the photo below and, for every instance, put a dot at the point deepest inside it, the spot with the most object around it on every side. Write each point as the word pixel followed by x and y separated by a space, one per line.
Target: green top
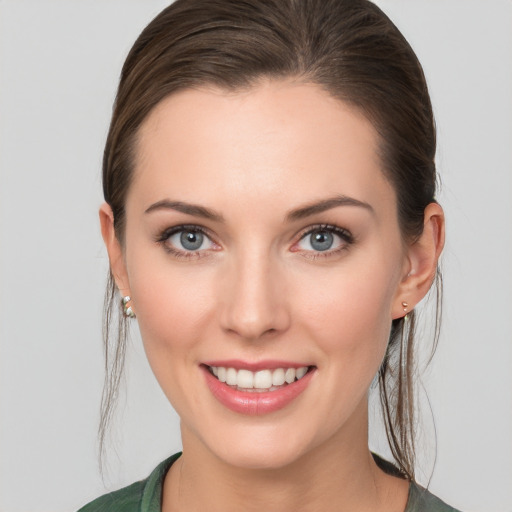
pixel 146 496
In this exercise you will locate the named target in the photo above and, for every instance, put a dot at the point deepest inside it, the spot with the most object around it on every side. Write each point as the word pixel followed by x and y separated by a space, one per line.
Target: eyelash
pixel 164 236
pixel 342 233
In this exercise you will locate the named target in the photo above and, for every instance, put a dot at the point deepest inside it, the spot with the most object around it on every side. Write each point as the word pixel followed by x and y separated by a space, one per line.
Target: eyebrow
pixel 327 204
pixel 188 208
pixel 294 215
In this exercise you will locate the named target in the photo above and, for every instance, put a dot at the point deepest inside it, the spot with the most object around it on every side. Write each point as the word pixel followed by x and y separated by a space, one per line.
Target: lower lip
pixel 255 403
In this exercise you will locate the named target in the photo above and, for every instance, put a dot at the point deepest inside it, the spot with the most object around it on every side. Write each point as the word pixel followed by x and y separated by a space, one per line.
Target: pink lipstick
pixel 256 388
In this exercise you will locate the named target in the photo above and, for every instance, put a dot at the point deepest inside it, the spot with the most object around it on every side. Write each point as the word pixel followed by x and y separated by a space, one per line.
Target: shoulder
pixel 126 499
pixel 142 496
pixel 421 500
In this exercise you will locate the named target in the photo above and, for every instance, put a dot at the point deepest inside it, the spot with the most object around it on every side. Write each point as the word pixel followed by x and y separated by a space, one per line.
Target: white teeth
pixel 231 377
pixel 300 372
pixel 289 375
pixel 264 380
pixel 245 379
pixel 278 377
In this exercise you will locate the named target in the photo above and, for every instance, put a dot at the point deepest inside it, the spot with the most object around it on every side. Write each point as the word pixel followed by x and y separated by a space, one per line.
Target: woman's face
pixel 262 240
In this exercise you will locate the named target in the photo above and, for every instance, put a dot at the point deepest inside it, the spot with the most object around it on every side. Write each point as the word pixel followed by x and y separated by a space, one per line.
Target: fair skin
pixel 259 286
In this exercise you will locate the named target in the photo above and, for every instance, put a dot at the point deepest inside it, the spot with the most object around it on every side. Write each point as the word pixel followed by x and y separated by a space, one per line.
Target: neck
pixel 338 475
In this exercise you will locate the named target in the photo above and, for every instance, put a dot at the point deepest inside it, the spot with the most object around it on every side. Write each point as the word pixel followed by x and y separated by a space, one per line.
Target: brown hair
pixel 352 50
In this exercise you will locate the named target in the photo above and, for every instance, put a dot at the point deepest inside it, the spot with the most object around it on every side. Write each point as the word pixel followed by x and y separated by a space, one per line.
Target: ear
pixel 114 249
pixel 421 262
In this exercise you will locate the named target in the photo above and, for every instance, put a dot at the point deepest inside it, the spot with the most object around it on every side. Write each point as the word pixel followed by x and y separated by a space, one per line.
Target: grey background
pixel 59 64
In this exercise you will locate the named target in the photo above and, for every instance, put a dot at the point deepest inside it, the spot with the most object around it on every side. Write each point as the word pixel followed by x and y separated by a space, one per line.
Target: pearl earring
pixel 127 310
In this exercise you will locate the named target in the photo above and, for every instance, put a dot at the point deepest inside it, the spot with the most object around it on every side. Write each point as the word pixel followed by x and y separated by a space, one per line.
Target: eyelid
pixel 332 228
pixel 163 236
pixel 342 233
pixel 167 232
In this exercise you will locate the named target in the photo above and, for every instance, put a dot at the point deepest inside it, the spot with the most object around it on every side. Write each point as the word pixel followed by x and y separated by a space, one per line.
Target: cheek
pixel 172 303
pixel 170 307
pixel 349 318
pixel 172 312
pixel 349 311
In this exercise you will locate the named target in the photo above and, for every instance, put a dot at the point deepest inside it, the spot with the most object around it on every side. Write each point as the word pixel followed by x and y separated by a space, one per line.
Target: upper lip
pixel 254 366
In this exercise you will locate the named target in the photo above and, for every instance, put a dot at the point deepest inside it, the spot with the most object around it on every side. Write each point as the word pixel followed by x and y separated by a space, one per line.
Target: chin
pixel 255 458
pixel 265 448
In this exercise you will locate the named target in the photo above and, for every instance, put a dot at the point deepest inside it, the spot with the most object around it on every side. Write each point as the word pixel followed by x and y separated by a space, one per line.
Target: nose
pixel 255 301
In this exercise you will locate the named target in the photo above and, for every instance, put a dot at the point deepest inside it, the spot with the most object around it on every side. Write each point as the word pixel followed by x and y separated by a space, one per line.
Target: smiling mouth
pixel 260 381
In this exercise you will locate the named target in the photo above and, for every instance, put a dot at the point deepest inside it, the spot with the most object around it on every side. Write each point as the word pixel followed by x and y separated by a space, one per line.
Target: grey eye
pixel 325 239
pixel 191 240
pixel 321 240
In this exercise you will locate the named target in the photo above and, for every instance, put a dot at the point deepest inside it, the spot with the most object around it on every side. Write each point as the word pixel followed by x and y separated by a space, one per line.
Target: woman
pixel 271 222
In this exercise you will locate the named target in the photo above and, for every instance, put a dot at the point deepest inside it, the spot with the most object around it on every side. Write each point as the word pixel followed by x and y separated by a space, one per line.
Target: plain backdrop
pixel 59 65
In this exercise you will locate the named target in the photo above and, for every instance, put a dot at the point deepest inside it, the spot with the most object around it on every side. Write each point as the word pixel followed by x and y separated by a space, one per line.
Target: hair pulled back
pixel 352 50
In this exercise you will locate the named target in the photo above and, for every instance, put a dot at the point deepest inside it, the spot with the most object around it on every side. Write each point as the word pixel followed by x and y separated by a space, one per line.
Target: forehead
pixel 280 141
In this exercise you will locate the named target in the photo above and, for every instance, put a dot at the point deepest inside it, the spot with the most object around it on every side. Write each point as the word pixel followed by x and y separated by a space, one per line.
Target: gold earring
pixel 127 310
